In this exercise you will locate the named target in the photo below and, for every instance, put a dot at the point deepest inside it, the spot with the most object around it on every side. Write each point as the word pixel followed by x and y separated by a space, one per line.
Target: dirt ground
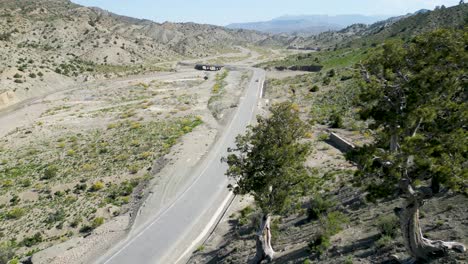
pixel 41 124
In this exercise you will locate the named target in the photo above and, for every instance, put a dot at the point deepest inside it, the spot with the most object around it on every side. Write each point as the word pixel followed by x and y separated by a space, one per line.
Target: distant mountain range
pixel 403 27
pixel 309 24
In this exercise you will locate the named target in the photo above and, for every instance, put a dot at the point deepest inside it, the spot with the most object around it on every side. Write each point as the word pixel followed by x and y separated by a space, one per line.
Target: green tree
pixel 415 96
pixel 268 163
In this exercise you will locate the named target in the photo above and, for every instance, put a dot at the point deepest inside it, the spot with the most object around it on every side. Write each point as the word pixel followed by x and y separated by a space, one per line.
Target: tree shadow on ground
pixel 361 244
pixel 299 254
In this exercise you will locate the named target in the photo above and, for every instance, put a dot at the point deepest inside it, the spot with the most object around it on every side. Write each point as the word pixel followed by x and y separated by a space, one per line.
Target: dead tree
pixel 419 247
pixel 263 242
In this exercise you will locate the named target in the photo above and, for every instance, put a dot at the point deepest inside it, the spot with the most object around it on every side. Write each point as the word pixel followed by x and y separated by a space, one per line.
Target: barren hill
pixel 46 43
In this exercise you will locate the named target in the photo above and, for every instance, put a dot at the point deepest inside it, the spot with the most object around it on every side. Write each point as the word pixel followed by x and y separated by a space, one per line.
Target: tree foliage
pixel 268 161
pixel 415 95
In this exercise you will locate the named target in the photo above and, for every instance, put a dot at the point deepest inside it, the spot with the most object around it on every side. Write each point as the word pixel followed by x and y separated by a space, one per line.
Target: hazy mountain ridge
pixel 312 24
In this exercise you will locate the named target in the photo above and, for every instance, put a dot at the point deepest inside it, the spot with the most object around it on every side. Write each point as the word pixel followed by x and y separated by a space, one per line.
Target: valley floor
pixel 91 157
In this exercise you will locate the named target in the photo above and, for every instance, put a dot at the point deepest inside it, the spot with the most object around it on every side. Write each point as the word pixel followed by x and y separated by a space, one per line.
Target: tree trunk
pixel 419 247
pixel 394 142
pixel 264 249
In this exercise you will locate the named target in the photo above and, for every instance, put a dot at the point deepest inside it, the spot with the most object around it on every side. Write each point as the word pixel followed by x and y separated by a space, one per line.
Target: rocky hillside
pixel 97 35
pixel 403 26
pixel 45 44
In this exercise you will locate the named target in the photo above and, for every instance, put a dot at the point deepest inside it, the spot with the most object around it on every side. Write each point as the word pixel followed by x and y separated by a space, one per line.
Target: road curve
pixel 174 232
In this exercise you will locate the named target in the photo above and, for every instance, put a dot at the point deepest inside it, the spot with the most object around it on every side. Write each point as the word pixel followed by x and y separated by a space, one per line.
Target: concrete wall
pixel 340 143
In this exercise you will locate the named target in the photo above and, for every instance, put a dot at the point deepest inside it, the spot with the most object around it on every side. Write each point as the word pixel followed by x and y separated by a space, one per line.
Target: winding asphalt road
pixel 174 233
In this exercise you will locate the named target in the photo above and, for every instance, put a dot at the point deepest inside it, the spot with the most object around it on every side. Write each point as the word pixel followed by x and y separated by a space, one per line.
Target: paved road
pixel 174 233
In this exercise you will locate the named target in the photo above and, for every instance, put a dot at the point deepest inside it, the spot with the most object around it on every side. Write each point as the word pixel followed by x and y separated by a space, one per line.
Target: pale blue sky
pixel 223 12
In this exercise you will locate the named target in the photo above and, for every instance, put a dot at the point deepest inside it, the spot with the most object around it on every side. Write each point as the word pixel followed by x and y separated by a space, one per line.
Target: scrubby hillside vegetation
pixel 404 27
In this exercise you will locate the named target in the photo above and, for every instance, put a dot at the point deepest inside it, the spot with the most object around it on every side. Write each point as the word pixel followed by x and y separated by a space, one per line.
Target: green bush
pixel 318 206
pixel 96 186
pixel 336 121
pixel 98 221
pixel 320 244
pixel 330 225
pixel 50 172
pixel 384 241
pixel 86 229
pixel 244 215
pixel 75 222
pixel 314 89
pixel 32 241
pixel 133 169
pixel 15 213
pixel 17 76
pixel 388 225
pixel 333 222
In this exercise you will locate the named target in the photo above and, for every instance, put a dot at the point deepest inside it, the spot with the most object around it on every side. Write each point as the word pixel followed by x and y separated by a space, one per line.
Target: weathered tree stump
pixel 263 242
pixel 419 247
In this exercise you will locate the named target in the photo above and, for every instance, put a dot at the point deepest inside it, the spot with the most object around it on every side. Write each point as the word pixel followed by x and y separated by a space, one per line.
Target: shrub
pixel 244 215
pixel 50 172
pixel 133 169
pixel 200 248
pixel 32 241
pixel 15 213
pixel 32 75
pixel 98 221
pixel 388 225
pixel 96 186
pixel 25 183
pixel 57 216
pixel 86 229
pixel 18 81
pixel 333 222
pixel 135 125
pixel 145 155
pixel 318 206
pixel 112 126
pixel 323 137
pixel 384 241
pixel 336 121
pixel 320 244
pixel 17 76
pixel 348 260
pixel 326 81
pixel 75 222
pixel 7 183
pixel 314 89
pixel 331 73
pixel 7 251
pixel 88 167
